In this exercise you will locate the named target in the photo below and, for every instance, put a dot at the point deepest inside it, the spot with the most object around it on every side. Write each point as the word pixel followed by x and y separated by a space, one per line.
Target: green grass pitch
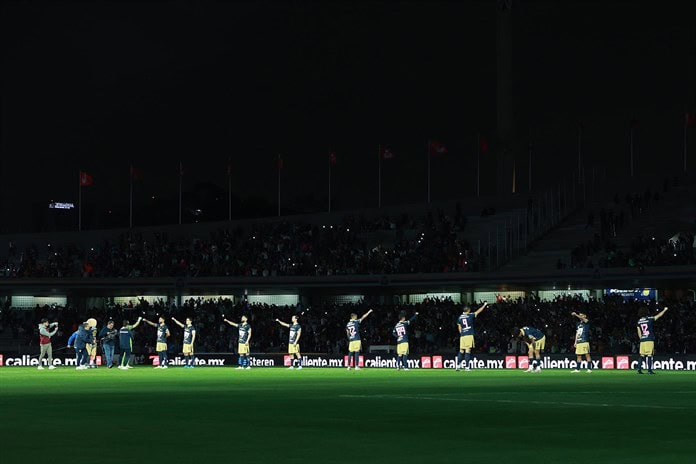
pixel 221 415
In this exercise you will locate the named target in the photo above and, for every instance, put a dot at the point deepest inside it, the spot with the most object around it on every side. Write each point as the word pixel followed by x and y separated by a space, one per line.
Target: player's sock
pixel 640 364
pixel 459 360
pixel 538 364
pixel 357 359
pixel 405 361
pixel 583 364
pixel 650 363
pixel 467 360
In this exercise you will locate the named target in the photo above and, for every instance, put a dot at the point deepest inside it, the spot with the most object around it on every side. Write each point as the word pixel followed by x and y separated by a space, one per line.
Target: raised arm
pixel 483 306
pixel 365 315
pixel 150 323
pixel 413 318
pixel 193 336
pixel 234 324
pixel 177 322
pixel 249 338
pixel 284 324
pixel 137 323
pixel 661 313
pixel 583 319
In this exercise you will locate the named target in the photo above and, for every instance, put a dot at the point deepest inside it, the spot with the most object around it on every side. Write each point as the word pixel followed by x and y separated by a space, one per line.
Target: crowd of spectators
pixel 602 249
pixel 613 325
pixel 387 245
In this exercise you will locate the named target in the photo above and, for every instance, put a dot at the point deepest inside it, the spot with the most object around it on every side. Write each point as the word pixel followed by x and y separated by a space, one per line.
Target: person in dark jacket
pixel 84 337
pixel 108 335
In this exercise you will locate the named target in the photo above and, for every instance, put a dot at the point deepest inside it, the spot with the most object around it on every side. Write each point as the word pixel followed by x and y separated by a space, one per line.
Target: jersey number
pixel 400 331
pixel 351 331
pixel 644 329
pixel 465 324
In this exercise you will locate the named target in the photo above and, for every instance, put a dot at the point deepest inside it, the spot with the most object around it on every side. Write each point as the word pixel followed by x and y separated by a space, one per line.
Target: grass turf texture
pixel 217 415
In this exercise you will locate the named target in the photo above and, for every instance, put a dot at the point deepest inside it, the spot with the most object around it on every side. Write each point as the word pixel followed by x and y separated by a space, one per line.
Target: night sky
pixel 100 85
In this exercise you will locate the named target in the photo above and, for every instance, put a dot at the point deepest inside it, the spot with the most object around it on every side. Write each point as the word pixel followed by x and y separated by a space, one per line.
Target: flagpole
pixel 686 124
pixel 580 179
pixel 631 147
pixel 229 189
pixel 79 202
pixel 130 209
pixel 428 154
pixel 181 176
pixel 478 165
pixel 530 165
pixel 279 158
pixel 379 176
pixel 329 183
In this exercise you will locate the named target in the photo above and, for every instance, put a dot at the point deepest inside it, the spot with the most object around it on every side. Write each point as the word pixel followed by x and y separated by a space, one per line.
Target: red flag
pixel 333 159
pixel 279 163
pixel 385 153
pixel 690 119
pixel 436 148
pixel 136 173
pixel 483 145
pixel 85 179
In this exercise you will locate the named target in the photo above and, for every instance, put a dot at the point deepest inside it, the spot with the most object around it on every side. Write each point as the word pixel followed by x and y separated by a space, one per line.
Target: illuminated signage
pixel 61 205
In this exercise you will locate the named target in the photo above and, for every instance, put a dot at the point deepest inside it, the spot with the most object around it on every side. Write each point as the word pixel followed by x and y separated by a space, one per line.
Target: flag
pixel 436 148
pixel 279 163
pixel 136 173
pixel 386 154
pixel 690 119
pixel 333 159
pixel 483 145
pixel 85 179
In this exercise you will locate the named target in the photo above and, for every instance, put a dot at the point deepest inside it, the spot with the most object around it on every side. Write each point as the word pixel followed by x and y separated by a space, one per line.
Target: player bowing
pixel 294 341
pixel 536 342
pixel 582 342
pixel 646 334
pixel 401 333
pixel 465 325
pixel 354 343
pixel 189 340
pixel 244 341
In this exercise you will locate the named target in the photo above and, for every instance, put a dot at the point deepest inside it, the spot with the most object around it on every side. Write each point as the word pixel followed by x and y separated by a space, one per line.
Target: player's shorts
pixel 582 348
pixel 161 347
pixel 402 348
pixel 91 349
pixel 293 348
pixel 243 348
pixel 540 344
pixel 355 346
pixel 187 348
pixel 647 348
pixel 466 342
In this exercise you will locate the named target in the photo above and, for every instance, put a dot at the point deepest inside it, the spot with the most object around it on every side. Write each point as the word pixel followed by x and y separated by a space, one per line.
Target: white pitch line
pixel 471 400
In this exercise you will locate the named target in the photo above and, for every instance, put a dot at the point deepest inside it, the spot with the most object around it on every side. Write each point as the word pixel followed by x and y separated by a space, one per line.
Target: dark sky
pixel 99 85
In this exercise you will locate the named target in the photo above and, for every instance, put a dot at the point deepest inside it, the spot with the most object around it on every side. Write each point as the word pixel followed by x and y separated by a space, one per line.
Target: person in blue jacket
pixel 71 344
pixel 84 337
